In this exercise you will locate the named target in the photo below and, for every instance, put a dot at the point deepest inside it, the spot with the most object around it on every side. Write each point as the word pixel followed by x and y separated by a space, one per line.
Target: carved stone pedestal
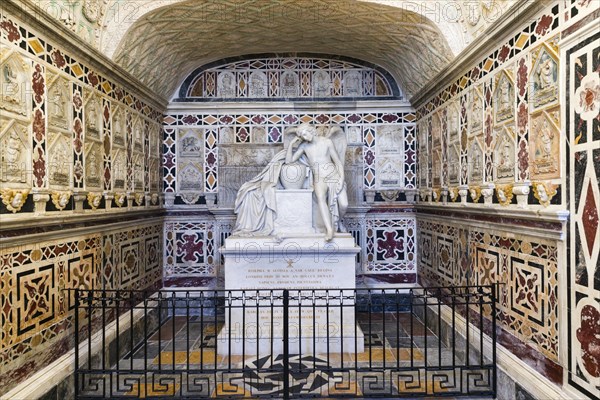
pixel 298 262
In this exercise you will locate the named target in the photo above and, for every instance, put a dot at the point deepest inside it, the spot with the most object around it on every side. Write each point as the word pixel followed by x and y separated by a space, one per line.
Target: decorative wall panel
pixel 237 146
pixel 64 155
pixel 190 248
pixel 288 77
pixel 35 305
pixel 509 108
pixel 455 254
pixel 387 239
pixel 583 127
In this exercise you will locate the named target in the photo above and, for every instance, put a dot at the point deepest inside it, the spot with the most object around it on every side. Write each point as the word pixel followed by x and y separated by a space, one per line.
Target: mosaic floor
pixel 182 346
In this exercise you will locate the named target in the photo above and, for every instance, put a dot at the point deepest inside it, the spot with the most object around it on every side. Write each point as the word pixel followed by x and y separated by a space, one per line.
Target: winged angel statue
pixel 323 151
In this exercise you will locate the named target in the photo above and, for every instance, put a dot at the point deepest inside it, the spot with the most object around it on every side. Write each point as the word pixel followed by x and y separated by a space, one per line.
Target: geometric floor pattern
pixel 186 343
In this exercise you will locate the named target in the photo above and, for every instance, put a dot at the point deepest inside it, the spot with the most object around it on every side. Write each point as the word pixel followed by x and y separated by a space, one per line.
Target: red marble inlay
pixel 106 113
pixel 12 33
pixel 38 84
pixel 504 51
pixel 189 119
pixel 211 159
pixel 39 127
pixel 258 119
pixel 190 246
pixel 389 245
pixel 354 118
pixel 522 77
pixel 589 337
pixel 322 118
pixel 543 25
pixel 39 168
pixel 369 157
pixel 589 218
pixel 523 159
pixel 522 118
pixel 93 78
pixel 390 118
pixel 78 129
pixel 58 58
pixel 77 102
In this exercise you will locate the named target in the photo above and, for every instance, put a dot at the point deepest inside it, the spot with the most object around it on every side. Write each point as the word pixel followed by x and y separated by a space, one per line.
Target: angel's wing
pixel 340 142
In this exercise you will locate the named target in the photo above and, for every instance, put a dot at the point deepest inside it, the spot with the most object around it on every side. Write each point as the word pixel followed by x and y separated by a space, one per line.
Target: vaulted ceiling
pixel 161 41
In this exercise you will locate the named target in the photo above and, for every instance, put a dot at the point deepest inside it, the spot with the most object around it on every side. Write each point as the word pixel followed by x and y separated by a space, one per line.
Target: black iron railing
pixel 285 343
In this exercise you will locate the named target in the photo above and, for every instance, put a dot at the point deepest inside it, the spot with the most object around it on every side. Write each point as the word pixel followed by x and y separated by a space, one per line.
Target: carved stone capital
pixel 79 198
pixel 487 191
pixel 370 196
pixel 39 201
pixel 108 198
pixel 444 194
pixel 521 190
pixel 211 199
pixel 411 195
pixel 463 192
pixel 169 199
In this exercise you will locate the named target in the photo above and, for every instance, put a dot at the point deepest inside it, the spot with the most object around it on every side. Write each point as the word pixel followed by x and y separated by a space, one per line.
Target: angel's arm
pixel 289 158
pixel 336 159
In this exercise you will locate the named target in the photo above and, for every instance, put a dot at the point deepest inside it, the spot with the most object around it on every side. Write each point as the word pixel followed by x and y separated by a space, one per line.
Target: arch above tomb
pixel 293 76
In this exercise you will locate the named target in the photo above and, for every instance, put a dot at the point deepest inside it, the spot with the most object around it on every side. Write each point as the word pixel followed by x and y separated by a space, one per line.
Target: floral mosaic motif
pixel 587 97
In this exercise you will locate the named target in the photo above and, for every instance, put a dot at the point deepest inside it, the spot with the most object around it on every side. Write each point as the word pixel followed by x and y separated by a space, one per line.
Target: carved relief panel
pixel 226 85
pixel 436 166
pixel 93 165
pixel 60 159
pixel 190 160
pixel 504 98
pixel 389 156
pixel 119 168
pixel 93 118
pixel 453 164
pixel 289 84
pixel 544 78
pixel 118 127
pixel 59 102
pixel 544 144
pixel 14 77
pixel 476 112
pixel 15 155
pixel 476 162
pixel 258 84
pixel 504 154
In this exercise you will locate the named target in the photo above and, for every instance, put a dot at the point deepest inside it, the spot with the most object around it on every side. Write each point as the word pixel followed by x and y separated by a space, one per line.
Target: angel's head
pixel 306 132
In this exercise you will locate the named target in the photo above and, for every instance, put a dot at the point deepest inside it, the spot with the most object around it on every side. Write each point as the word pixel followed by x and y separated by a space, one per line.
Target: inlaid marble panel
pixel 237 146
pixel 525 266
pixel 37 323
pixel 583 88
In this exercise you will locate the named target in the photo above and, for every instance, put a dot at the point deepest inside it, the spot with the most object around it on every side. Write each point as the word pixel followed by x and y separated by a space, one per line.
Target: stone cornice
pixel 518 15
pixel 52 30
pixel 48 227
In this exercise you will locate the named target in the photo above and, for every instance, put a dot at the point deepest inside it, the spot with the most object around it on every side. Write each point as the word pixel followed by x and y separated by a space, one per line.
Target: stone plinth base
pixel 316 323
